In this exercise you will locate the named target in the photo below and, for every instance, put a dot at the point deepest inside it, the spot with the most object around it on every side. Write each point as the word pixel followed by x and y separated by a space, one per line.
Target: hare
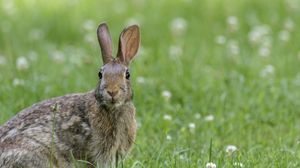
pixel 98 126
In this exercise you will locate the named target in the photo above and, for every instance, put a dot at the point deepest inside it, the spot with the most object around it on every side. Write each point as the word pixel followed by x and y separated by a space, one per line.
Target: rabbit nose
pixel 112 93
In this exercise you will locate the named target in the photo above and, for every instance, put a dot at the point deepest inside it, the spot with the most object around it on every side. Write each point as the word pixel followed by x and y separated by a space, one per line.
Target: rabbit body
pixel 48 132
pixel 98 126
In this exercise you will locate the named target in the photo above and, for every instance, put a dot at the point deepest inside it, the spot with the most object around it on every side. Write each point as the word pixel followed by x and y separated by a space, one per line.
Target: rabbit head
pixel 114 76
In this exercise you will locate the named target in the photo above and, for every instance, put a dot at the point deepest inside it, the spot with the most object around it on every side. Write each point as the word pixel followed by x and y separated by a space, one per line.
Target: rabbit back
pixel 73 126
pixel 49 130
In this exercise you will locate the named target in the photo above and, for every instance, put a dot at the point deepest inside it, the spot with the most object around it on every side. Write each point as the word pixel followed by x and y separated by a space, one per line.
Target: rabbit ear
pixel 128 44
pixel 105 42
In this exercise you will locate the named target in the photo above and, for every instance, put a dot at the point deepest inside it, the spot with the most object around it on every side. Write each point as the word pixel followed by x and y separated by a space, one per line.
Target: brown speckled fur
pixel 96 126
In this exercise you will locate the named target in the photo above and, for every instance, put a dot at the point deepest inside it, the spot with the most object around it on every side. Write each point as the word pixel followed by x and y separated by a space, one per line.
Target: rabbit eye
pixel 127 75
pixel 100 75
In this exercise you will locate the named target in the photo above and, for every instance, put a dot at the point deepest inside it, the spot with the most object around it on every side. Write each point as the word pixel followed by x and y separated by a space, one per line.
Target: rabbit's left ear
pixel 105 43
pixel 129 44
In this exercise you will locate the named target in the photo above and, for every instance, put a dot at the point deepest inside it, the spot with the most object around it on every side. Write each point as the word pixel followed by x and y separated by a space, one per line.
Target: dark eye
pixel 100 75
pixel 127 75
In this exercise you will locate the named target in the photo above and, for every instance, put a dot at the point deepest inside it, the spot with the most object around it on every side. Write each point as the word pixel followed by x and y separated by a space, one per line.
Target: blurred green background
pixel 226 70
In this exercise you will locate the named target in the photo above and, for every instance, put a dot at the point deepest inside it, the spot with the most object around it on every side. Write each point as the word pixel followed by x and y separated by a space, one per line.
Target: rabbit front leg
pixel 21 158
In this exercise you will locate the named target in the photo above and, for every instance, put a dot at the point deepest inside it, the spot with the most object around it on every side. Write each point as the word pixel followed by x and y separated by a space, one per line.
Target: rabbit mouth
pixel 113 101
pixel 110 101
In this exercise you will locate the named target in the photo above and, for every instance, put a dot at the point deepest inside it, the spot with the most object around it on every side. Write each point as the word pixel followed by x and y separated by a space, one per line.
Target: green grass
pixel 255 108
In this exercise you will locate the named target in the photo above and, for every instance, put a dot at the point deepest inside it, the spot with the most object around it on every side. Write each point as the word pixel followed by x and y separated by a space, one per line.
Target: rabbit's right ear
pixel 105 42
pixel 129 44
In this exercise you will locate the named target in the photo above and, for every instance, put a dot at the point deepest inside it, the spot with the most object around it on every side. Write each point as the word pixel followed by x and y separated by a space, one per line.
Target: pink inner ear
pixel 123 49
pixel 129 44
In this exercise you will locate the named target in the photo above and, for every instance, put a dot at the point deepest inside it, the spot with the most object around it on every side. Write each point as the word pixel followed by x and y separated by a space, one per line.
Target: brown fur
pixel 97 126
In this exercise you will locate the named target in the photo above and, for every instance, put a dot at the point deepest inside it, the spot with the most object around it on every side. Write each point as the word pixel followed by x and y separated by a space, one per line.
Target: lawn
pixel 226 71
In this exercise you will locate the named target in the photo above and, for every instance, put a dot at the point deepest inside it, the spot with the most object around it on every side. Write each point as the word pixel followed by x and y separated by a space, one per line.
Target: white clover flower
pixel 140 80
pixel 9 7
pixel 169 137
pixel 210 165
pixel 220 39
pixel 268 70
pixel 296 81
pixel 178 26
pixel 18 82
pixel 289 24
pixel 47 89
pixel 197 115
pixel 89 25
pixel 233 47
pixel 139 124
pixel 183 156
pixel 293 5
pixel 142 51
pixel 89 38
pixel 76 60
pixel 258 33
pixel 284 35
pixel 167 117
pixel 264 51
pixel 254 36
pixel 175 51
pixel 238 164
pixel 2 60
pixel 58 56
pixel 233 22
pixel 230 149
pixel 166 94
pixel 22 63
pixel 209 118
pixel 263 29
pixel 36 34
pixel 192 127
